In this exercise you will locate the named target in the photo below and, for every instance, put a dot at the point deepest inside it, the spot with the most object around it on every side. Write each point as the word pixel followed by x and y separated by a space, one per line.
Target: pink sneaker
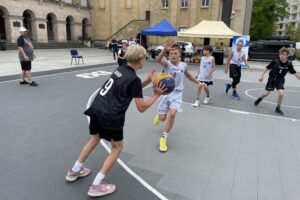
pixel 102 189
pixel 73 176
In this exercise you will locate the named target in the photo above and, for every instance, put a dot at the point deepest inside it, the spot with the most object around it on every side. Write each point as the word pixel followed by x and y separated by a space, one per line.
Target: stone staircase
pixel 50 45
pixel 131 29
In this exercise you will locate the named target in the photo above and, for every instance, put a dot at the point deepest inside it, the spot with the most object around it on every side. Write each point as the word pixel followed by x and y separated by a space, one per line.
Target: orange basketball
pixel 167 79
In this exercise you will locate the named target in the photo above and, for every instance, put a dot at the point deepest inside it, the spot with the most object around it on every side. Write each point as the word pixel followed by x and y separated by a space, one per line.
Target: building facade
pixel 125 18
pixel 46 20
pixel 292 18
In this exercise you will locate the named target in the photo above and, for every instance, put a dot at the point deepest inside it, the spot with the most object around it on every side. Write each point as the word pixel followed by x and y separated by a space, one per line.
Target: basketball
pixel 167 79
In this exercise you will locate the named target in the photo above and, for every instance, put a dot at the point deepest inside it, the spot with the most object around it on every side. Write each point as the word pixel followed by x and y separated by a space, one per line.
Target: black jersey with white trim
pixel 114 97
pixel 279 69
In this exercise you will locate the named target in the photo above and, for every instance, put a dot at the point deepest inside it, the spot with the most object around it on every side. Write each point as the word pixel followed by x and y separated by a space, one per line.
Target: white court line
pixel 132 173
pixel 247 91
pixel 41 76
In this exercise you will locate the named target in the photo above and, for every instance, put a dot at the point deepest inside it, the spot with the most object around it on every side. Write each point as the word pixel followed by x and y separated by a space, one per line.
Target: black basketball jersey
pixel 114 97
pixel 279 69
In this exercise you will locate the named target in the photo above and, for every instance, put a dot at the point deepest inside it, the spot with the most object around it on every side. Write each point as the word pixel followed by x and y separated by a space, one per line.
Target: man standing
pixel 292 51
pixel 114 46
pixel 235 59
pixel 26 55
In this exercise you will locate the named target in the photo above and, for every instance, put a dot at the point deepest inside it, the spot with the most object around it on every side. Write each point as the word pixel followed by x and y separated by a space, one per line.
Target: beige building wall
pixel 39 9
pixel 114 17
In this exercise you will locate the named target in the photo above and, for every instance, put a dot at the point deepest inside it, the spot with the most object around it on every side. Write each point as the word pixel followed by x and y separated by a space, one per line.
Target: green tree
pixel 265 14
pixel 293 32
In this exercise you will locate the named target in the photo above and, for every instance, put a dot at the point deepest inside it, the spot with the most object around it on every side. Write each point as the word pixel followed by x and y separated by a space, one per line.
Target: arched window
pixel 2 26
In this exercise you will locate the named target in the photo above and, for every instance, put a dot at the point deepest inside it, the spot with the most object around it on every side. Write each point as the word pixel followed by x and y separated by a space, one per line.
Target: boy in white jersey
pixel 170 104
pixel 236 58
pixel 207 67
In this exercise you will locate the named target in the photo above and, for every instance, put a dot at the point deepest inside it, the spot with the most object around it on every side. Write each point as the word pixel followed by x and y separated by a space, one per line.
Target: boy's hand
pixel 150 74
pixel 160 89
pixel 169 45
pixel 226 69
pixel 250 69
pixel 261 78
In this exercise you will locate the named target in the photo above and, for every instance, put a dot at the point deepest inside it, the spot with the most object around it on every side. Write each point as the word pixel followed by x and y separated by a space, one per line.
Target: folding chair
pixel 76 56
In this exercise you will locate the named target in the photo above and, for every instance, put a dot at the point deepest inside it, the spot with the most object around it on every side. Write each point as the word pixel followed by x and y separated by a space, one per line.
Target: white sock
pixel 77 166
pixel 98 178
pixel 165 135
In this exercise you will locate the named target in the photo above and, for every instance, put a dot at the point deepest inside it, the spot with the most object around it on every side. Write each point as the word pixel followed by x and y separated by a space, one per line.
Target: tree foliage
pixel 265 14
pixel 293 32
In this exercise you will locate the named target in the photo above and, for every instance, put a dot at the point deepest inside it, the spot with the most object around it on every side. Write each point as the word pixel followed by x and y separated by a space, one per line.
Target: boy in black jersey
pixel 107 116
pixel 278 69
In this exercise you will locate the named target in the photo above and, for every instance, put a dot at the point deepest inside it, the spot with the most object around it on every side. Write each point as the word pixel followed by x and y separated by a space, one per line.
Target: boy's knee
pixel 117 146
pixel 172 113
pixel 162 117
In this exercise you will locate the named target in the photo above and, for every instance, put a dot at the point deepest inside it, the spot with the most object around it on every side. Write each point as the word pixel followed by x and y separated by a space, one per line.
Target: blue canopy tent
pixel 164 28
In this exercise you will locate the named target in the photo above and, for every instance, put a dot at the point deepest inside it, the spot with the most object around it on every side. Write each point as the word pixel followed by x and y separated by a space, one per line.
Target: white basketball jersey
pixel 177 72
pixel 205 67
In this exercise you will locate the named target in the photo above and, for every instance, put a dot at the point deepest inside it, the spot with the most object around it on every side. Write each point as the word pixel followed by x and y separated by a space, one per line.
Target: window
pixel 280 26
pixel 84 3
pixel 165 4
pixel 205 3
pixel 69 1
pixel 184 3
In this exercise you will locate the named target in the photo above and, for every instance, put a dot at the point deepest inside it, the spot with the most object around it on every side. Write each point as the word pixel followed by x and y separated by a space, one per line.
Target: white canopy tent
pixel 209 29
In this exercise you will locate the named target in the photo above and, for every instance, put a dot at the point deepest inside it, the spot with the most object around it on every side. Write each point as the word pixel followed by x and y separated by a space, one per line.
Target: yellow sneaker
pixel 156 120
pixel 163 144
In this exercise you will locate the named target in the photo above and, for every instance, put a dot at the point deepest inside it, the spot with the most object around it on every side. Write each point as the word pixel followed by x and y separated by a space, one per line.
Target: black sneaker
pixel 279 111
pixel 227 87
pixel 257 101
pixel 33 84
pixel 23 82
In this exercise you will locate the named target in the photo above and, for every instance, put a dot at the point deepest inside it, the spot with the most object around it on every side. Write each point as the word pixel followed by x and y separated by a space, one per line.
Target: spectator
pixel 26 55
pixel 114 46
pixel 182 53
pixel 292 51
pixel 131 42
pixel 121 55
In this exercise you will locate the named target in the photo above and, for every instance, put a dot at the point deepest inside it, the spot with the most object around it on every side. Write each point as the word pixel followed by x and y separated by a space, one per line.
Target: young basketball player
pixel 107 117
pixel 170 104
pixel 236 58
pixel 278 69
pixel 207 67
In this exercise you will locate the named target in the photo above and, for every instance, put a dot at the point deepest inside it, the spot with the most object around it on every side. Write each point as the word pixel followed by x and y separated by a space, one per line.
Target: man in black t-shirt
pixel 26 55
pixel 107 116
pixel 278 69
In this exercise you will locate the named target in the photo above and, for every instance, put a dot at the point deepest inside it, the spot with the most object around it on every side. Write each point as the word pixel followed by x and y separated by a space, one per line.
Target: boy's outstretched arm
pixel 160 56
pixel 227 62
pixel 144 105
pixel 297 75
pixel 189 76
pixel 150 75
pixel 261 77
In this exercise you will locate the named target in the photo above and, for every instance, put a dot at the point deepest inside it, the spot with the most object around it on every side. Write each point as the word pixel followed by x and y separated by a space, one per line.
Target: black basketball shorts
pixel 273 83
pixel 107 134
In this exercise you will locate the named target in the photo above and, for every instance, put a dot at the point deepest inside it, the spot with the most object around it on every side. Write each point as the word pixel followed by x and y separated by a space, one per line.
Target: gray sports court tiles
pixel 214 153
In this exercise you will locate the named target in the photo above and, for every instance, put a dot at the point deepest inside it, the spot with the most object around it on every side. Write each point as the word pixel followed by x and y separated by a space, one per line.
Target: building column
pixel 76 29
pixel 12 26
pixel 62 33
pixel 39 30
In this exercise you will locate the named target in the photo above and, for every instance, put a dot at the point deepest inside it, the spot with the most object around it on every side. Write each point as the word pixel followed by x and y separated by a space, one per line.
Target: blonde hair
pixel 284 50
pixel 135 53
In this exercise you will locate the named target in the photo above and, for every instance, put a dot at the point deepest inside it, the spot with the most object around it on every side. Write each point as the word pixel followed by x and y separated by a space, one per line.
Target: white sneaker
pixel 206 100
pixel 196 104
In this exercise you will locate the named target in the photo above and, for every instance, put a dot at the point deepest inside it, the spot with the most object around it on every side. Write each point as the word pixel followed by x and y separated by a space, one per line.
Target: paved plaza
pixel 227 150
